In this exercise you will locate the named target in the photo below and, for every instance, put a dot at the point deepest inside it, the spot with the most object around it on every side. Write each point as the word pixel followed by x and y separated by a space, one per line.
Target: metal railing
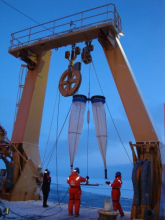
pixel 79 21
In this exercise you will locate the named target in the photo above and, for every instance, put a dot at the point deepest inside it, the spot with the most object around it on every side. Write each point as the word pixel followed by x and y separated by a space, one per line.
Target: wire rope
pixel 111 114
pixel 27 161
pixel 88 118
pixel 41 216
pixel 52 150
pixel 36 216
pixel 57 149
pixel 50 126
pixel 24 15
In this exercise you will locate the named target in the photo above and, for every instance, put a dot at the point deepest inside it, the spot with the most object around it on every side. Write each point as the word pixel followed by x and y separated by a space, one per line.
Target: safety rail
pixel 79 21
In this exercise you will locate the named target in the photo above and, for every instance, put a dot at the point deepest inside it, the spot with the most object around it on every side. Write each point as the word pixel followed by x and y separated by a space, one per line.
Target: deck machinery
pixel 33 45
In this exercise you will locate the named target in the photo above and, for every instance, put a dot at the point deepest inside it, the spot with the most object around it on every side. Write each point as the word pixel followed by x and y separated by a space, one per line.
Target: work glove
pixel 87 177
pixel 107 182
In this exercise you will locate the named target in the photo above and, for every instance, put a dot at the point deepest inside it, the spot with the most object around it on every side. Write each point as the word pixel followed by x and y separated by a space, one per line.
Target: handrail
pixel 66 17
pixel 57 27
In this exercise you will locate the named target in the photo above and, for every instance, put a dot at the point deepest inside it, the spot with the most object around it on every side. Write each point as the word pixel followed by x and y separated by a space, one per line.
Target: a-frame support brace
pixel 139 118
pixel 25 137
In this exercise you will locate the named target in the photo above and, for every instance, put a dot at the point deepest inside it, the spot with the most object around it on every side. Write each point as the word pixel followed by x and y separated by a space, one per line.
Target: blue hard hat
pixel 117 174
pixel 77 170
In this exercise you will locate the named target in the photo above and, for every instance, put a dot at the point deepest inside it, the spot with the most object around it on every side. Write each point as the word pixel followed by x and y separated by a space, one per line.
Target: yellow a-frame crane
pixel 33 47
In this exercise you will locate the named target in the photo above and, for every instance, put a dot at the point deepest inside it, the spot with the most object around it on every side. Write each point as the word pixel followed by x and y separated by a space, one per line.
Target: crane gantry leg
pixel 25 137
pixel 148 141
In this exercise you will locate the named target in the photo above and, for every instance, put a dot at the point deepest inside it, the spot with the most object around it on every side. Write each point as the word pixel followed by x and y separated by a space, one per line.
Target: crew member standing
pixel 46 186
pixel 116 185
pixel 74 181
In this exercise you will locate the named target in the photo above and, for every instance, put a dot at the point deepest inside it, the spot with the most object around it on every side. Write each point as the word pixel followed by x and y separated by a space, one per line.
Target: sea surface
pixel 92 196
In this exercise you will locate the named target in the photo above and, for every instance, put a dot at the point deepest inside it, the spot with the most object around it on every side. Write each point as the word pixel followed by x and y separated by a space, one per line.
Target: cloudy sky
pixel 143 24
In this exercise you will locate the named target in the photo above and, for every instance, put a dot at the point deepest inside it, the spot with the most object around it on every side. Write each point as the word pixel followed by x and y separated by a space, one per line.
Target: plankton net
pixel 75 125
pixel 100 126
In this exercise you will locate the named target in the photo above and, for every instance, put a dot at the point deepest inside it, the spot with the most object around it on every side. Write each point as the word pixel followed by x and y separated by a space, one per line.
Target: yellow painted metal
pixel 139 118
pixel 27 125
pixel 27 131
pixel 148 140
pixel 29 115
pixel 26 187
pixel 33 124
pixel 32 151
pixel 16 167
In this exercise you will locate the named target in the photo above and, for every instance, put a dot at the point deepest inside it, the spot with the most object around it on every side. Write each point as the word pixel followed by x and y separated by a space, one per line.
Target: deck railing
pixel 79 21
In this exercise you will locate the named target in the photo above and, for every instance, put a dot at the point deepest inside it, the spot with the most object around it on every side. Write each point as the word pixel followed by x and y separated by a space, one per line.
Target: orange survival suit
pixel 116 185
pixel 74 192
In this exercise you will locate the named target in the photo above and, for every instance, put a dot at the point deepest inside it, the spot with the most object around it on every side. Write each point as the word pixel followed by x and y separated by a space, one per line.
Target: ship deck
pixel 34 210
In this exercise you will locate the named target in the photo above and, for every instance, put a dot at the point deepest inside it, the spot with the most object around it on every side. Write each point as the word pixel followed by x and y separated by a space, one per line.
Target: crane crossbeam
pixel 79 27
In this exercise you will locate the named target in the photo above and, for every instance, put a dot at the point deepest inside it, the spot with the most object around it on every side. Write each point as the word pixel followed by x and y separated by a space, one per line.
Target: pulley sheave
pixel 86 53
pixel 70 82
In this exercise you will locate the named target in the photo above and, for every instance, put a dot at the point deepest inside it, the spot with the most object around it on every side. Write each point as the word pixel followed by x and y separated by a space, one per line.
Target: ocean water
pixel 92 196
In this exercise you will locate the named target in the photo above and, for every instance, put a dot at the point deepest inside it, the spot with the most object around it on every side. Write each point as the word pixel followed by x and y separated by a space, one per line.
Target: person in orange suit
pixel 116 185
pixel 74 181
